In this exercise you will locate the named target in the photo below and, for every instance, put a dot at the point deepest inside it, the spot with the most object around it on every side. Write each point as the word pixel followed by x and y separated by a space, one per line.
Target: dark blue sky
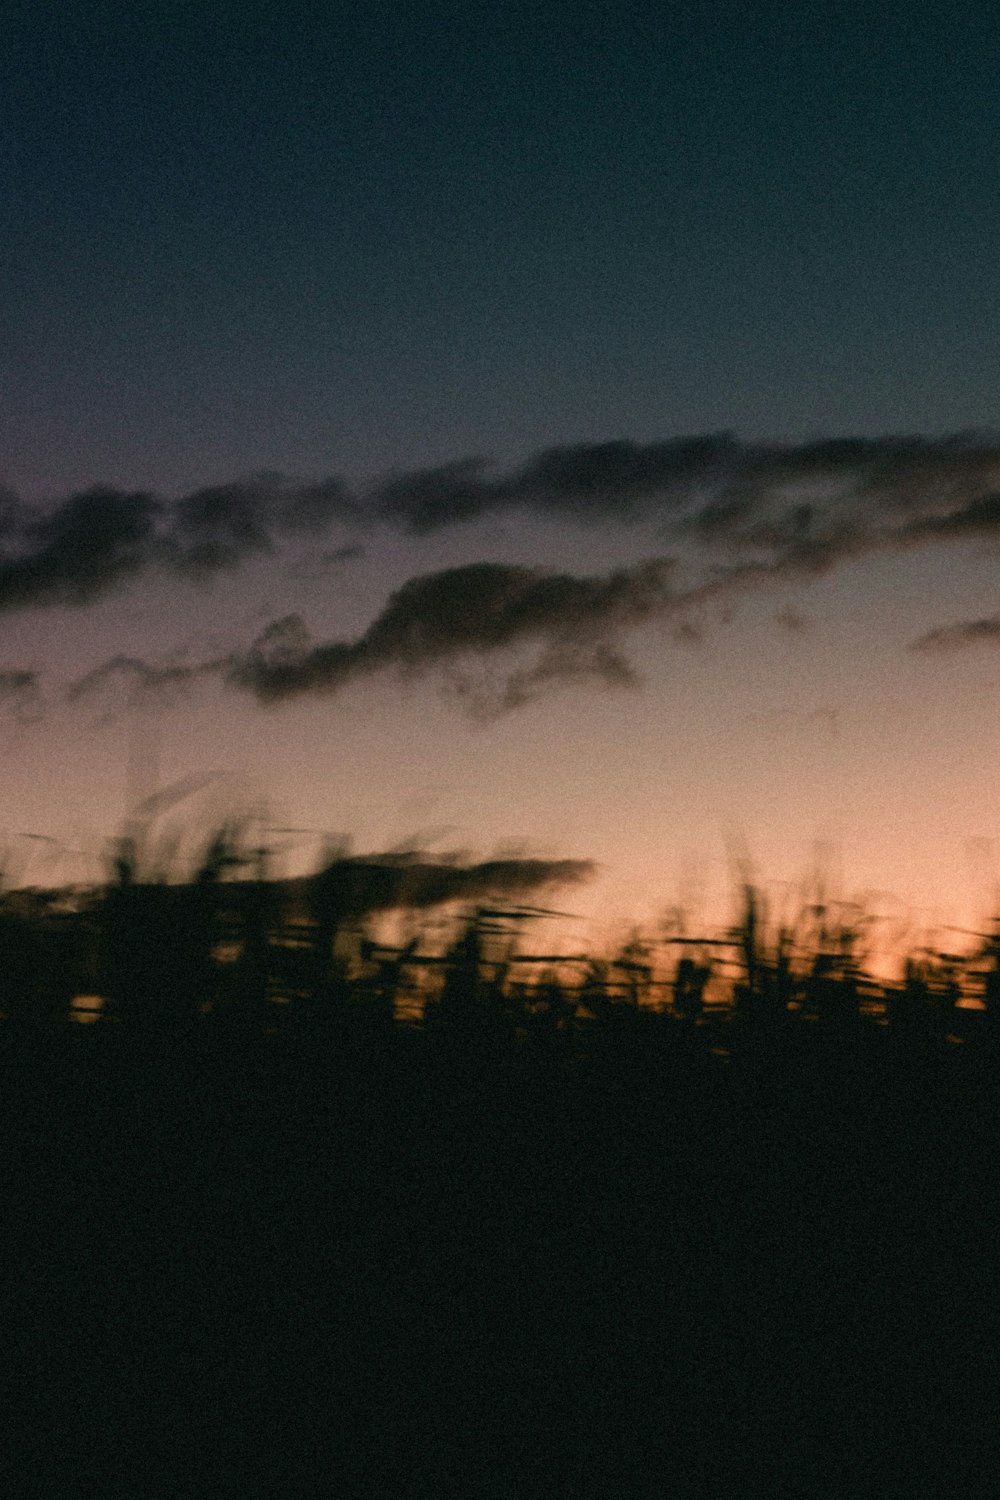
pixel 329 237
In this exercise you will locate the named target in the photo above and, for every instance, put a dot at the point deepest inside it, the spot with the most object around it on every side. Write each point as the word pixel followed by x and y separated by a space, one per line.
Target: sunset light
pixel 499 726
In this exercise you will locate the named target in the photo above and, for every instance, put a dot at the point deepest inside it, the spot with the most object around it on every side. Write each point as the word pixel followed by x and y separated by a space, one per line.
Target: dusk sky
pixel 562 428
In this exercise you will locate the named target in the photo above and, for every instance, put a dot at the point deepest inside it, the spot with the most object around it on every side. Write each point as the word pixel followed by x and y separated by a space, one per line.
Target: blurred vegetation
pixel 231 945
pixel 302 1211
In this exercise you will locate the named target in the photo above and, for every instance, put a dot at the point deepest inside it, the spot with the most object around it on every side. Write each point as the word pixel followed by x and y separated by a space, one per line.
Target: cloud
pixel 775 494
pixel 437 618
pixel 597 481
pixel 460 621
pixel 622 477
pixel 354 887
pixel 164 682
pixel 324 563
pixel 455 621
pixel 956 637
pixel 718 489
pixel 688 634
pixel 792 620
pixel 980 518
pixel 84 548
pixel 488 696
pixel 748 516
pixel 338 555
pixel 95 542
pixel 797 507
pixel 217 527
pixel 20 695
pixel 426 499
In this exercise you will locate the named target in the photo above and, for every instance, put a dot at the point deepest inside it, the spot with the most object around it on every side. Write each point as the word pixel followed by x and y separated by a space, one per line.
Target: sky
pixel 561 430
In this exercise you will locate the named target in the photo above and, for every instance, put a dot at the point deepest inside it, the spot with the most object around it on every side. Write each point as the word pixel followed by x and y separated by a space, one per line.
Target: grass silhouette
pixel 305 1212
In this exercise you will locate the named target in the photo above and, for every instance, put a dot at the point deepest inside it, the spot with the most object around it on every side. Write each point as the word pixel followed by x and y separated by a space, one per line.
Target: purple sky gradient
pixel 509 276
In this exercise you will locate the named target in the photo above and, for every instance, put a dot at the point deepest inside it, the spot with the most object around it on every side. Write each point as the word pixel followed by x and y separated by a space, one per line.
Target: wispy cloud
pixel 145 680
pixel 216 528
pixel 792 620
pixel 486 695
pixel 979 518
pixel 959 635
pixel 21 695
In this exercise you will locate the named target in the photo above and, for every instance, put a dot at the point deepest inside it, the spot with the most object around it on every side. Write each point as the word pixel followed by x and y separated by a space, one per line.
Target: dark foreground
pixel 326 1262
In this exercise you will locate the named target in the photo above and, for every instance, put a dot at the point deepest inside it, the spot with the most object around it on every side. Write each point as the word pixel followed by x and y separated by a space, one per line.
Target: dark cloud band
pixel 797 507
pixel 439 618
pixel 353 888
pixel 93 543
pixel 722 491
